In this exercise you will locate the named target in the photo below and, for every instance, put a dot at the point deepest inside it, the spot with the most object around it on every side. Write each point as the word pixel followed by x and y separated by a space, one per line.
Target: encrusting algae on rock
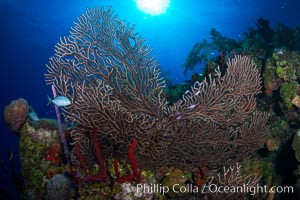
pixel 41 158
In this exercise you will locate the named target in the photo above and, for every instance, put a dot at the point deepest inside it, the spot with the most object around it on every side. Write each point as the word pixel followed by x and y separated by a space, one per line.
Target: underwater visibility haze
pixel 140 99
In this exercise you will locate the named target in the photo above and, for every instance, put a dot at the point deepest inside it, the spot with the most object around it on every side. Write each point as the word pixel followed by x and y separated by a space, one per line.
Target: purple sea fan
pixel 115 86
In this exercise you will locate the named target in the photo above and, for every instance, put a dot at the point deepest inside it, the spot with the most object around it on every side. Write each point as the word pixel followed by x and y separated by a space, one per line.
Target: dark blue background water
pixel 29 29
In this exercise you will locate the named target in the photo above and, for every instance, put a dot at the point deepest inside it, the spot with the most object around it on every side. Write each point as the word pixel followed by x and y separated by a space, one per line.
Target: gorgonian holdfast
pixel 115 86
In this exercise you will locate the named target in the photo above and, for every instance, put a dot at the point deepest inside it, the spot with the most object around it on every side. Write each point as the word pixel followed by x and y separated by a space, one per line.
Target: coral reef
pixel 15 114
pixel 115 87
pixel 40 158
pixel 128 128
pixel 281 74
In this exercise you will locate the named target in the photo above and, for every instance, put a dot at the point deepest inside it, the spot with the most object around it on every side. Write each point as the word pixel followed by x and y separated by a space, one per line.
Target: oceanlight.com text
pixel 212 188
pixel 252 190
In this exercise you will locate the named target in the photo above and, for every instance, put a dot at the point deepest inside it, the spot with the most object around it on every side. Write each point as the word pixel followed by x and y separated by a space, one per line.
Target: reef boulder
pixel 58 187
pixel 15 114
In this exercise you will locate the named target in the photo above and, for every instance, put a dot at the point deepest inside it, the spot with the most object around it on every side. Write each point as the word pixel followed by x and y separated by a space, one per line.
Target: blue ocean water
pixel 30 29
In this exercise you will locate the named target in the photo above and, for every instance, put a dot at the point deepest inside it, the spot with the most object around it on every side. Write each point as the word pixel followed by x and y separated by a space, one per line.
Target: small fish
pixel 186 92
pixel 77 175
pixel 192 106
pixel 33 116
pixel 179 117
pixel 11 155
pixel 60 101
pixel 280 52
